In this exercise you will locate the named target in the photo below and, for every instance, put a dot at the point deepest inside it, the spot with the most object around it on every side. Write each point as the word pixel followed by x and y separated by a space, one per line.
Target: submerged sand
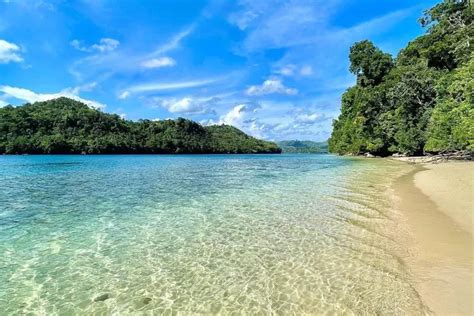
pixel 436 203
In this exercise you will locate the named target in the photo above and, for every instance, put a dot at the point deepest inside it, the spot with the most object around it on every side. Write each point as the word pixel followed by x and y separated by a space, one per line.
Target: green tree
pixel 369 63
pixel 451 126
pixel 423 101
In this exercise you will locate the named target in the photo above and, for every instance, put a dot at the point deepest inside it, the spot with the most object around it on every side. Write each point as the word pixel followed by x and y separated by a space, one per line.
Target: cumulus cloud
pixel 188 105
pixel 270 86
pixel 307 118
pixel 275 120
pixel 9 53
pixel 30 96
pixel 104 45
pixel 235 116
pixel 159 62
pixel 294 126
pixel 184 105
pixel 240 116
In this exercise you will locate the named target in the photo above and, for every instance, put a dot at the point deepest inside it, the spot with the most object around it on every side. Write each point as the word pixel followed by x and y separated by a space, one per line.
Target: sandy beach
pixel 436 204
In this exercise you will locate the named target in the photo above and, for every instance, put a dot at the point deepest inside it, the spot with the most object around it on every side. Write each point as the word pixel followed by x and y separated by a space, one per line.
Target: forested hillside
pixel 420 102
pixel 303 146
pixel 66 126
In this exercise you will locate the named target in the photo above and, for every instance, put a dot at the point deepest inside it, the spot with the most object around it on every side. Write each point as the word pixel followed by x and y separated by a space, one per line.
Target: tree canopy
pixel 421 101
pixel 65 126
pixel 369 63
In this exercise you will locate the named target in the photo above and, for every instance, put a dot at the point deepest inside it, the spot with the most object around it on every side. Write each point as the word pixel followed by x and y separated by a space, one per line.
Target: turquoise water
pixel 244 234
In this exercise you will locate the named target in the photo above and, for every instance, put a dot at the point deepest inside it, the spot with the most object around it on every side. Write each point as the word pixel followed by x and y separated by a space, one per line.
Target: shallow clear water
pixel 251 234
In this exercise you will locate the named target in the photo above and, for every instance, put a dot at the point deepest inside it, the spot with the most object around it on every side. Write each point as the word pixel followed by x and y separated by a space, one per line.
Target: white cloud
pixel 98 64
pixel 289 24
pixel 291 70
pixel 235 116
pixel 9 52
pixel 306 118
pixel 288 70
pixel 174 42
pixel 184 105
pixel 159 62
pixel 124 95
pixel 270 86
pixel 243 19
pixel 281 23
pixel 276 120
pixel 160 86
pixel 188 105
pixel 77 45
pixel 85 87
pixel 290 126
pixel 3 103
pixel 30 96
pixel 306 70
pixel 104 45
pixel 240 116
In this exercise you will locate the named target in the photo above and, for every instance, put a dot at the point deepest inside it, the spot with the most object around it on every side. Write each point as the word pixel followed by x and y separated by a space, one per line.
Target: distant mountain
pixel 65 126
pixel 303 146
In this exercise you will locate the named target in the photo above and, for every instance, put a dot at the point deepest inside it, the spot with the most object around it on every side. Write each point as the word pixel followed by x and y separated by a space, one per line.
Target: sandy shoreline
pixel 436 204
pixel 451 187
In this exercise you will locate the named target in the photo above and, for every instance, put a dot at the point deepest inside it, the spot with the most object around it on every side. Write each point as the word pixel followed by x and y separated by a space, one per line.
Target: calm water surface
pixel 250 234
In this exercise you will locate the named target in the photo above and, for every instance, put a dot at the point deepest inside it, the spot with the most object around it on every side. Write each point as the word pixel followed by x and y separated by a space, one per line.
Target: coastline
pixel 435 205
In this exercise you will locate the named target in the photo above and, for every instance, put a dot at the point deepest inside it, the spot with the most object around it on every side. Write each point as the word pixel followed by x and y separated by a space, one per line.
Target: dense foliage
pixel 305 146
pixel 66 126
pixel 422 101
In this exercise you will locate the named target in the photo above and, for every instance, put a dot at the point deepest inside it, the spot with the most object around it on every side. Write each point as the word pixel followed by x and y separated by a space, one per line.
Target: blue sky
pixel 273 68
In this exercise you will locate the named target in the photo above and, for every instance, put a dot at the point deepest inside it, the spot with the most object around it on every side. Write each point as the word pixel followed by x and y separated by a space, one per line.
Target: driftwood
pixel 454 155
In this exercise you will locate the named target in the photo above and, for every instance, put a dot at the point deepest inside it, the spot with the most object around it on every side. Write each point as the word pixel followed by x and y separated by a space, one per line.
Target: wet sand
pixel 435 203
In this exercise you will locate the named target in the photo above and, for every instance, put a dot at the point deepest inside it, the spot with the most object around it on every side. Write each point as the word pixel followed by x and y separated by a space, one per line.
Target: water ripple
pixel 265 235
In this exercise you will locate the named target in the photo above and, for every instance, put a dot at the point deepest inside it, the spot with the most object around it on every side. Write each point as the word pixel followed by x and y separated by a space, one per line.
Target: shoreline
pixel 435 205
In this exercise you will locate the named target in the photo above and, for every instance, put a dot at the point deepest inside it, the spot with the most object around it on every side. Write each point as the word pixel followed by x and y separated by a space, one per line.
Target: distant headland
pixel 303 147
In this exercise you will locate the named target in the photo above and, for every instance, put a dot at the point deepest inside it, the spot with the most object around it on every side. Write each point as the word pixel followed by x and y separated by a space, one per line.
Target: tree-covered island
pixel 65 126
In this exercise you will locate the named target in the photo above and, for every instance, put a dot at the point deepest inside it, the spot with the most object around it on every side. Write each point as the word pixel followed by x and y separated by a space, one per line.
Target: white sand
pixel 451 187
pixel 436 205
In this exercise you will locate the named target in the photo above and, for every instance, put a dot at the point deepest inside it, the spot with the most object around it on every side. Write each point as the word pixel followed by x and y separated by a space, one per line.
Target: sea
pixel 290 234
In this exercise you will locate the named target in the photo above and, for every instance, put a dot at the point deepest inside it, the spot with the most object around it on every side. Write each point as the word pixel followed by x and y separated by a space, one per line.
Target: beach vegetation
pixel 421 101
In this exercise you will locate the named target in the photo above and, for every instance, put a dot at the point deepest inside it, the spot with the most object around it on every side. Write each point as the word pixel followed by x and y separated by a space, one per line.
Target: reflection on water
pixel 282 234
